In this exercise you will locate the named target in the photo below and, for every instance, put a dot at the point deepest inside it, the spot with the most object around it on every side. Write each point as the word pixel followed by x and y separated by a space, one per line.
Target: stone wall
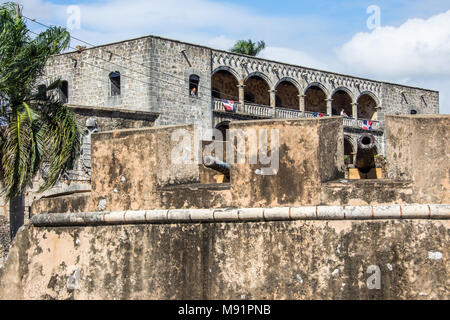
pixel 399 100
pixel 386 259
pixel 154 76
pixel 134 170
pixel 418 149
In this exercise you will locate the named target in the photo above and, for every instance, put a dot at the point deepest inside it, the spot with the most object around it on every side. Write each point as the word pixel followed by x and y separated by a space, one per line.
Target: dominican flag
pixel 228 105
pixel 367 125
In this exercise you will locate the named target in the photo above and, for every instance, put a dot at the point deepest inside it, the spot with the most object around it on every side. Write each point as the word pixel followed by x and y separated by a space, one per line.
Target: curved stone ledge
pixel 410 211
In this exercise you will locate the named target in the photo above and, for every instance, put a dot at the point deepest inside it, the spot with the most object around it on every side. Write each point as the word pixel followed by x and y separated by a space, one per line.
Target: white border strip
pixel 410 211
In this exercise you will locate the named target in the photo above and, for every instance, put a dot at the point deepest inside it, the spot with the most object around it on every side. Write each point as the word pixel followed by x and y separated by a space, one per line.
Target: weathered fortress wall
pixel 269 260
pixel 418 149
pixel 339 258
pixel 134 169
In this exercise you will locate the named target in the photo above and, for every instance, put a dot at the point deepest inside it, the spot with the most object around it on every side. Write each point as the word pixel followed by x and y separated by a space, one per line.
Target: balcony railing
pixel 266 112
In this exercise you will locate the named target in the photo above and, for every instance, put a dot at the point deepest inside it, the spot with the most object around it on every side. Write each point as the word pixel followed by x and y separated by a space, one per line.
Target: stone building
pixel 155 81
pixel 153 74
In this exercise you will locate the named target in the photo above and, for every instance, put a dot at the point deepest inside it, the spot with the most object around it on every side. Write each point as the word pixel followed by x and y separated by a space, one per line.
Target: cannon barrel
pixel 218 165
pixel 366 152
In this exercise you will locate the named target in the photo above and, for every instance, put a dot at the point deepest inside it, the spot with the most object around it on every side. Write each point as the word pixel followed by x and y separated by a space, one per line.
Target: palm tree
pixel 248 47
pixel 36 129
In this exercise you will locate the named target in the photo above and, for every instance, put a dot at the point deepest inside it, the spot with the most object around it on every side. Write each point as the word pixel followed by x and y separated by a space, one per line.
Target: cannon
pixel 365 156
pixel 218 165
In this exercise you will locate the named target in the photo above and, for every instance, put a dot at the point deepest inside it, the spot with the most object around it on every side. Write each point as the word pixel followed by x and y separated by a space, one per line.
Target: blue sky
pixel 411 46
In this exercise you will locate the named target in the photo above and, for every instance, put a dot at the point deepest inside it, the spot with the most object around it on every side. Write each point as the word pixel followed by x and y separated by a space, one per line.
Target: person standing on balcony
pixel 194 92
pixel 343 113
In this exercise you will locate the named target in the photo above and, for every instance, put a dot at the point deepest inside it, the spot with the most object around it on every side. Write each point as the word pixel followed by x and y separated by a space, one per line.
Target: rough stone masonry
pixel 251 238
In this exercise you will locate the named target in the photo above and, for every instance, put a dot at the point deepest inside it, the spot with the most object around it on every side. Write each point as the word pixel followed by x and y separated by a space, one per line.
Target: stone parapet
pixel 410 211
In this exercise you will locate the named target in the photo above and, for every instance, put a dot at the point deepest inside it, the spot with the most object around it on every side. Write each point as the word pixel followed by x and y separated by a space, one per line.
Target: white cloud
pixel 416 53
pixel 416 48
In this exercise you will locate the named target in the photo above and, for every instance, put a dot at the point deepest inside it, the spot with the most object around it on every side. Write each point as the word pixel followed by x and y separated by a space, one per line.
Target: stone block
pixel 226 215
pixel 330 213
pixel 386 212
pixel 277 213
pixel 304 213
pixel 251 214
pixel 358 212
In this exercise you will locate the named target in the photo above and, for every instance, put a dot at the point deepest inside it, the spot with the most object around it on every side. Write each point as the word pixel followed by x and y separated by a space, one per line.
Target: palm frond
pixel 60 140
pixel 18 154
pixel 38 129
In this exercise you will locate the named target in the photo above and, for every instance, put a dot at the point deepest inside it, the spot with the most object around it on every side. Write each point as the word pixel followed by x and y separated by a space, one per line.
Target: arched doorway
pixel 224 86
pixel 315 100
pixel 349 151
pixel 367 107
pixel 257 88
pixel 287 96
pixel 223 128
pixel 341 100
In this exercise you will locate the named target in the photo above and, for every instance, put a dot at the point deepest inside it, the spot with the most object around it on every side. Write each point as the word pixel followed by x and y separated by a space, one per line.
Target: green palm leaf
pixel 40 130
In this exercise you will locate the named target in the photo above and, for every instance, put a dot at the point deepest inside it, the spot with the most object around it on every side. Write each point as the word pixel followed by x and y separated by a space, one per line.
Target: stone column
pixel 329 109
pixel 241 87
pixel 353 158
pixel 273 98
pixel 301 101
pixel 355 110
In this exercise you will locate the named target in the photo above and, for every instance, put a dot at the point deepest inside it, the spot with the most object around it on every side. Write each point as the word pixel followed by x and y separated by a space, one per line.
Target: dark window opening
pixel 64 92
pixel 215 93
pixel 278 102
pixel 413 111
pixel 248 97
pixel 114 77
pixel 194 80
pixel 42 91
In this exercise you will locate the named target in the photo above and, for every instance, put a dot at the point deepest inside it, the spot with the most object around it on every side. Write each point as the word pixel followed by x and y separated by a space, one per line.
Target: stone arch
pixel 370 93
pixel 291 80
pixel 342 98
pixel 223 127
pixel 367 106
pixel 315 98
pixel 346 90
pixel 319 85
pixel 261 75
pixel 287 94
pixel 258 88
pixel 350 148
pixel 229 69
pixel 224 84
